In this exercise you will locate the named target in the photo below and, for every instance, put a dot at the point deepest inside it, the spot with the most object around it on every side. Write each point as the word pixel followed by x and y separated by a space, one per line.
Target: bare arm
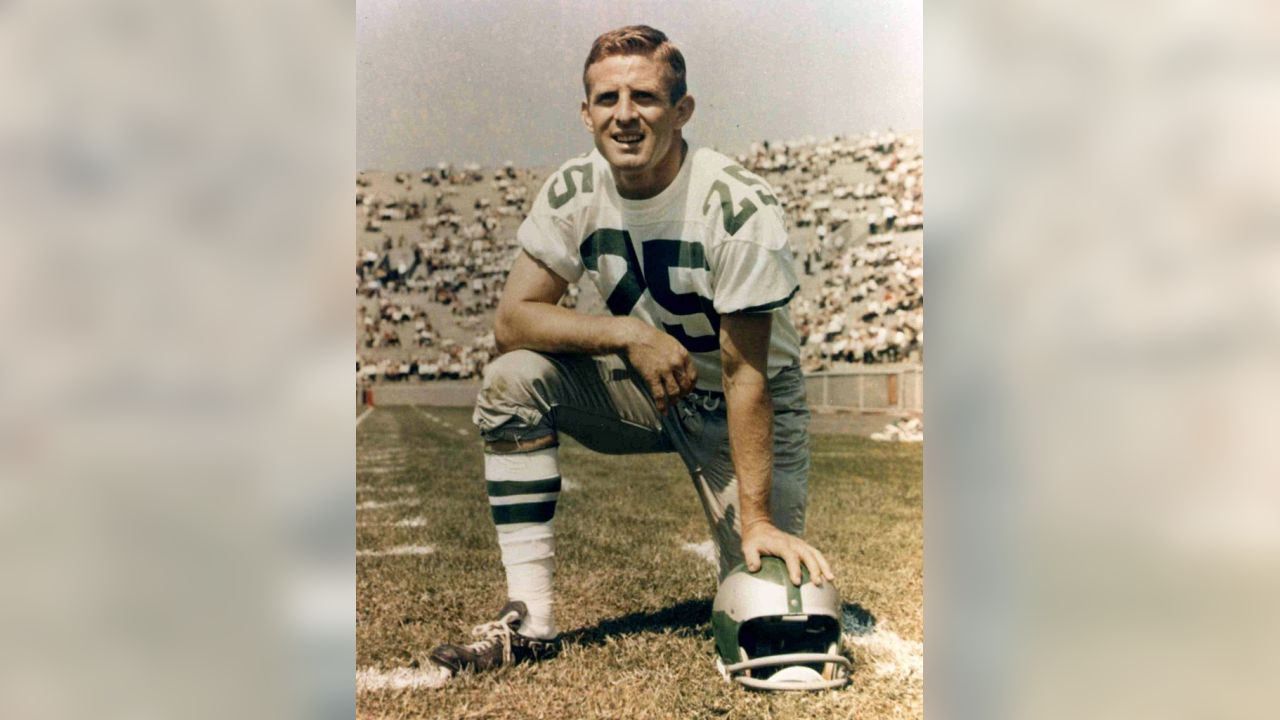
pixel 744 348
pixel 528 317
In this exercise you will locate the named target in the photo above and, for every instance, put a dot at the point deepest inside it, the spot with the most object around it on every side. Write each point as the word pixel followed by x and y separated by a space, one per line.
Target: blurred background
pixel 176 481
pixel 1102 506
pixel 177 477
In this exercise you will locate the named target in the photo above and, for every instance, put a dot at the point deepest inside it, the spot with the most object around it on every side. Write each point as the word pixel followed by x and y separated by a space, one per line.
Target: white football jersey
pixel 712 243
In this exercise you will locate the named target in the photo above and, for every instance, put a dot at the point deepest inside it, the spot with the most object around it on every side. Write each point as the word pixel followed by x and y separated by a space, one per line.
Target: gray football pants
pixel 601 403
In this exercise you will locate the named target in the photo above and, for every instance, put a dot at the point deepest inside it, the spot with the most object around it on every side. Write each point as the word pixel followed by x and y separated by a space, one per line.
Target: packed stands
pixel 433 249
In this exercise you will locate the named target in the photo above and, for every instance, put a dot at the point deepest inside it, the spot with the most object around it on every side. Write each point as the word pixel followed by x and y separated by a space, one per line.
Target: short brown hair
pixel 639 40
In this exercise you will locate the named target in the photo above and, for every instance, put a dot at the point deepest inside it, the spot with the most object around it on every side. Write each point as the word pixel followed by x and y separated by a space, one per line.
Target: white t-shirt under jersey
pixel 714 242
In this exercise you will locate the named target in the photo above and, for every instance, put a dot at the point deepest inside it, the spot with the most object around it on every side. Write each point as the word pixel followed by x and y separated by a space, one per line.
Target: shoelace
pixel 491 632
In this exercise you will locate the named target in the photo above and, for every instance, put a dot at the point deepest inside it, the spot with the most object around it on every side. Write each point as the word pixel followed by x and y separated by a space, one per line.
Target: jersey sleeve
pixel 753 271
pixel 548 235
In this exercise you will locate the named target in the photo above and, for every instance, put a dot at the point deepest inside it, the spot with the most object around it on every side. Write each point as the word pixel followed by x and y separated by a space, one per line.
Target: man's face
pixel 629 112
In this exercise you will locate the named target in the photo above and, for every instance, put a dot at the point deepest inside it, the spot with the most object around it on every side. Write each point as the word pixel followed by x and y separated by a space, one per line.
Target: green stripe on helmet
pixel 725 630
pixel 774 570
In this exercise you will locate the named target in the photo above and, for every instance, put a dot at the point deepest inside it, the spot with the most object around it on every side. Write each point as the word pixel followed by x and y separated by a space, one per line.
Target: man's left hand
pixel 764 538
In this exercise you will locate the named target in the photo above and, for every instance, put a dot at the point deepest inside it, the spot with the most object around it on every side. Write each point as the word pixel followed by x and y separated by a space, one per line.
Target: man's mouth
pixel 631 139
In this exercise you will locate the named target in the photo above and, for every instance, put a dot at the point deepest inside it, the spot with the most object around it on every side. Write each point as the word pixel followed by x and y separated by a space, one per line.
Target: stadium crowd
pixel 452 361
pixel 801 173
pixel 869 304
pixel 431 262
pixel 880 288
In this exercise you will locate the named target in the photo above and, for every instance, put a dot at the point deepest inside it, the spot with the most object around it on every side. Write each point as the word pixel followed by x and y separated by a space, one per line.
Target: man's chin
pixel 626 161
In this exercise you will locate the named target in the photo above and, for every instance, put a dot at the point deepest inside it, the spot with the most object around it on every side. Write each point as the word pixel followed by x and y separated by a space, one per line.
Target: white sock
pixel 523 490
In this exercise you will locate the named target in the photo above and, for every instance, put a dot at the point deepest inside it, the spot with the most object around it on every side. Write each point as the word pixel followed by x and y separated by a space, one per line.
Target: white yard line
pixel 372 679
pixel 379 504
pixel 362 416
pixel 399 550
pixel 442 422
pixel 377 470
pixel 431 417
pixel 410 522
pixel 888 653
pixel 393 489
pixel 705 550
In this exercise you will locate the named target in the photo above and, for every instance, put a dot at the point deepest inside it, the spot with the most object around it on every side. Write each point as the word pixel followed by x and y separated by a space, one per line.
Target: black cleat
pixel 499 645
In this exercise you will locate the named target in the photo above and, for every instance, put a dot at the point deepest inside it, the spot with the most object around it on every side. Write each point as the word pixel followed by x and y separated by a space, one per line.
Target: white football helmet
pixel 773 635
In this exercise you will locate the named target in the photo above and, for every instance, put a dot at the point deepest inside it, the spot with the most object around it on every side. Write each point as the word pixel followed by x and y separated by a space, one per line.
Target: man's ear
pixel 684 110
pixel 586 118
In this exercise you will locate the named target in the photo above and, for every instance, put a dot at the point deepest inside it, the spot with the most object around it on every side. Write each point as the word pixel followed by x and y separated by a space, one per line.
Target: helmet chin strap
pixel 791 686
pixel 791 659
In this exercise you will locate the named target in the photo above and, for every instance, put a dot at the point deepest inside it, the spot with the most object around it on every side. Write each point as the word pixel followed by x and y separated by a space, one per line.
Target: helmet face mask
pixel 772 635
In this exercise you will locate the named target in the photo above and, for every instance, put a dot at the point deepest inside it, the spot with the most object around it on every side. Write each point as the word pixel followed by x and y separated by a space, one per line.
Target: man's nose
pixel 626 111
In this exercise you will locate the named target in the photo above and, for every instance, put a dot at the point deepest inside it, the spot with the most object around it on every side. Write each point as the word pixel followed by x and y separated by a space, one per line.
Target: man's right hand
pixel 662 362
pixel 528 317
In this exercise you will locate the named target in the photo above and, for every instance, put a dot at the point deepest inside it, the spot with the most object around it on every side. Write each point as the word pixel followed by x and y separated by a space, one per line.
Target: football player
pixel 699 355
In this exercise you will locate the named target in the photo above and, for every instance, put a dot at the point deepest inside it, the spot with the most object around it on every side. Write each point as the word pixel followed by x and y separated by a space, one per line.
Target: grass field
pixel 634 596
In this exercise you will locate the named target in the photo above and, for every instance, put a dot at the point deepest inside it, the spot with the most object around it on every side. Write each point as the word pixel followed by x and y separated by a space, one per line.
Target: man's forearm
pixel 751 442
pixel 550 328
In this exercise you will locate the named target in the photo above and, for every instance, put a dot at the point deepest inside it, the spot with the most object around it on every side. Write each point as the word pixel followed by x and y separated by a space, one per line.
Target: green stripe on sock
pixel 506 488
pixel 523 513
